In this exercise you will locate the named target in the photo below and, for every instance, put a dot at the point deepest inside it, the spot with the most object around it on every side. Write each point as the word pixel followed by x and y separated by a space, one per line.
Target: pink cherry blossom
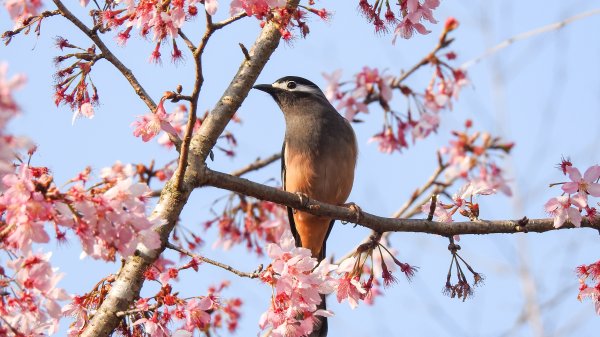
pixel 561 209
pixel 428 123
pixel 20 10
pixel 387 141
pixel 352 105
pixel 8 105
pixel 297 286
pixel 332 91
pixel 152 123
pixel 584 185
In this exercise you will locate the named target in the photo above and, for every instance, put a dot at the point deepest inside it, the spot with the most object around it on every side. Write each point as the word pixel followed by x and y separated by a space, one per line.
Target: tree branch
pixel 257 165
pixel 528 34
pixel 377 223
pixel 126 288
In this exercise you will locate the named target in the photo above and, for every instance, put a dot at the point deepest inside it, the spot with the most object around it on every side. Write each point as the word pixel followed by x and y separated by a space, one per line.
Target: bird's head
pixel 292 91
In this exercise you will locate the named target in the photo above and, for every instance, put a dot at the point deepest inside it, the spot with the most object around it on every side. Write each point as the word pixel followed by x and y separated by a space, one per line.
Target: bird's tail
pixel 320 327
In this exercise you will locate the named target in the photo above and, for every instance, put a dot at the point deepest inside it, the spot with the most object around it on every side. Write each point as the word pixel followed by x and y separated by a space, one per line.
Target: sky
pixel 543 93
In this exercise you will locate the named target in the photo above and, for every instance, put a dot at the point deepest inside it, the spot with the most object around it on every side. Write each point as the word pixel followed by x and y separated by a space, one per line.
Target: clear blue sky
pixel 542 93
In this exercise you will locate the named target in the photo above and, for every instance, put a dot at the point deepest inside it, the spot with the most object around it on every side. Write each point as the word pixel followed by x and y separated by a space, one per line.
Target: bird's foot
pixel 354 208
pixel 303 199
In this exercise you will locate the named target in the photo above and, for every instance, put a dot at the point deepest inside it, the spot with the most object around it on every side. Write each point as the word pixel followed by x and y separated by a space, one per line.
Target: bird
pixel 319 155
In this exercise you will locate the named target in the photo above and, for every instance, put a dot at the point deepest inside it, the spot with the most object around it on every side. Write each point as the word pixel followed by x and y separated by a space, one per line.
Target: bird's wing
pixel 290 211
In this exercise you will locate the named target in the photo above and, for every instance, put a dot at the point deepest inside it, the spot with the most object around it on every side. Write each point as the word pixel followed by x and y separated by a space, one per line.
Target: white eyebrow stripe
pixel 299 87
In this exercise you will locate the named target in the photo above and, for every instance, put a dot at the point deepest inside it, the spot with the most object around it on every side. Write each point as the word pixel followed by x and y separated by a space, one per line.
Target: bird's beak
pixel 268 88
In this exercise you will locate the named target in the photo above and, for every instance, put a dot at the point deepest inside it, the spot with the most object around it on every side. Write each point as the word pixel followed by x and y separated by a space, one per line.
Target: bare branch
pixel 419 191
pixel 529 34
pixel 377 223
pixel 257 165
pixel 187 41
pixel 225 22
pixel 253 274
pixel 8 35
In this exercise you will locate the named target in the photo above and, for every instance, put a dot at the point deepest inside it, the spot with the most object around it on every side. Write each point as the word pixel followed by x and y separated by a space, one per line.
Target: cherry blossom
pixel 32 307
pixel 410 15
pixel 561 209
pixel 152 123
pixel 387 141
pixel 19 10
pixel 297 287
pixel 586 184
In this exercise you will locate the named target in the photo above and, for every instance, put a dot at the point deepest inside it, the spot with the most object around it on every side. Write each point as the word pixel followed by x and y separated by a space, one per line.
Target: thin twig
pixel 257 165
pixel 30 21
pixel 528 34
pixel 199 81
pixel 253 274
pixel 187 41
pixel 133 311
pixel 230 20
pixel 419 191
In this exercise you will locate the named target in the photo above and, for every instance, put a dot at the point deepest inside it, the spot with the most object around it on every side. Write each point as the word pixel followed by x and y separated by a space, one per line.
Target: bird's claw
pixel 303 198
pixel 354 208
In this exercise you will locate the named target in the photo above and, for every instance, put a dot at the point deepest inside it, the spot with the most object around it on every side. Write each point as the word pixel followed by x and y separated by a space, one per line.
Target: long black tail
pixel 320 329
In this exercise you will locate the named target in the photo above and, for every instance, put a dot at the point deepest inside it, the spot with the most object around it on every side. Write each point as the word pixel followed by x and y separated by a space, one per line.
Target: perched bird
pixel 318 159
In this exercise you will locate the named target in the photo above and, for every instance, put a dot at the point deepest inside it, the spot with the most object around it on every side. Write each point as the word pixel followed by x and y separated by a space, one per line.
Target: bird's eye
pixel 291 85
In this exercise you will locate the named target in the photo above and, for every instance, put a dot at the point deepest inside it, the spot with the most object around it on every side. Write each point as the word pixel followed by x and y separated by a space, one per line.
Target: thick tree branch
pixel 129 282
pixel 377 223
pixel 108 55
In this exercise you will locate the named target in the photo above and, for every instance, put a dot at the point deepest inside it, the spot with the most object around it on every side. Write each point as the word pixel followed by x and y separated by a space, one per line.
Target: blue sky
pixel 543 93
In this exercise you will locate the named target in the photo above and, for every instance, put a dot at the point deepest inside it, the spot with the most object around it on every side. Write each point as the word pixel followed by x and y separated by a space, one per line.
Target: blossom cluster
pixel 276 11
pixel 404 20
pixel 589 284
pixel 159 19
pixel 469 157
pixel 248 221
pixel 29 304
pixel 380 272
pixel 20 10
pixel 165 313
pixel 76 76
pixel 298 283
pixel 422 115
pixel 9 144
pixel 30 296
pixel 574 199
pixel 108 218
pixel 174 125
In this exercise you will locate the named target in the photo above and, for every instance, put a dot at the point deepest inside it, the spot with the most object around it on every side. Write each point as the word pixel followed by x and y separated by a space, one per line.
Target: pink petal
pixel 574 216
pixel 592 174
pixel 570 187
pixel 574 174
pixel 559 219
pixel 594 189
pixel 579 200
pixel 211 6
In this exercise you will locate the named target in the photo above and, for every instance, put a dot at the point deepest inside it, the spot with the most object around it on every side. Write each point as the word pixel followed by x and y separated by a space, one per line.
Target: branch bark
pixel 378 223
pixel 130 278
